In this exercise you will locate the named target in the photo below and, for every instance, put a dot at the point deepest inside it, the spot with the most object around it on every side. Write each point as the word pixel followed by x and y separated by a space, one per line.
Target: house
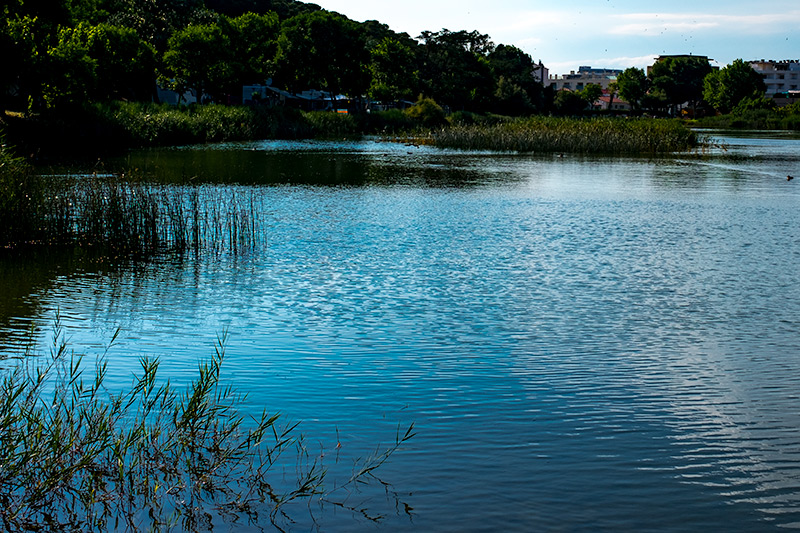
pixel 541 73
pixel 779 76
pixel 576 81
pixel 607 103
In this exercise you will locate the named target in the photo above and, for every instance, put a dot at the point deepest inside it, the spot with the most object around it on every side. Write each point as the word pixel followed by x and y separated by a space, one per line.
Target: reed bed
pixel 75 457
pixel 119 215
pixel 565 135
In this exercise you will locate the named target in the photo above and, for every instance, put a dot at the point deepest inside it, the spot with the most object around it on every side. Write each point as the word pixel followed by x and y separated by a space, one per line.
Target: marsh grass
pixel 124 215
pixel 76 457
pixel 566 135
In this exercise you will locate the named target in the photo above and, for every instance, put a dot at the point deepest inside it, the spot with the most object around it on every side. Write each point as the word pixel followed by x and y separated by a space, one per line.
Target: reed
pixel 75 457
pixel 119 215
pixel 566 135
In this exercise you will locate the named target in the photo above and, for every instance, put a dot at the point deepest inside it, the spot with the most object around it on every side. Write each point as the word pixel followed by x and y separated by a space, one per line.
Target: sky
pixel 602 33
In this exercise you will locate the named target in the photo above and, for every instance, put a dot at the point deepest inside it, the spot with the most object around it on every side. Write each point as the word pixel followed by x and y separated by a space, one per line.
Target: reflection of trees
pixel 24 279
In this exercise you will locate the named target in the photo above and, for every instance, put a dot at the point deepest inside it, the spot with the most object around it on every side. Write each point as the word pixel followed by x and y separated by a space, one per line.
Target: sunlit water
pixel 583 344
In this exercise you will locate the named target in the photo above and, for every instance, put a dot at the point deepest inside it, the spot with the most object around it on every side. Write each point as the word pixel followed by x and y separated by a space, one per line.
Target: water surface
pixel 582 343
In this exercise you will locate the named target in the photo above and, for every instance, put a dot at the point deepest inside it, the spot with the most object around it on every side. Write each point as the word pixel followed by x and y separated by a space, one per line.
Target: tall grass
pixel 567 135
pixel 119 215
pixel 75 457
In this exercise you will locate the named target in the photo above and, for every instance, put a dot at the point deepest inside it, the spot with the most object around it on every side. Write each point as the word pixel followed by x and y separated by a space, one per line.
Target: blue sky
pixel 603 33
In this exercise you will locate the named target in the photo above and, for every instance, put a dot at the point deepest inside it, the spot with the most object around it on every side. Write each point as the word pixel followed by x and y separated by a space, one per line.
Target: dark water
pixel 583 344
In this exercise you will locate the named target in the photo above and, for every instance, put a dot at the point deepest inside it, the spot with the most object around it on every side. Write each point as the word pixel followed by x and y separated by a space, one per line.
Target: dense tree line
pixel 55 54
pixel 676 81
pixel 60 54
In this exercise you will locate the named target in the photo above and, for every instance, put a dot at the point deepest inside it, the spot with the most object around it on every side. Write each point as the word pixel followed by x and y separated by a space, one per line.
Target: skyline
pixel 605 34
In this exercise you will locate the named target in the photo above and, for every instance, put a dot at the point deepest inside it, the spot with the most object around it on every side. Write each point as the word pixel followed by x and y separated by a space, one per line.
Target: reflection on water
pixel 583 343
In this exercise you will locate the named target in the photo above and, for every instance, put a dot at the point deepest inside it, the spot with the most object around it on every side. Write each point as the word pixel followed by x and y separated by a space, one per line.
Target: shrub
pixel 329 125
pixel 426 112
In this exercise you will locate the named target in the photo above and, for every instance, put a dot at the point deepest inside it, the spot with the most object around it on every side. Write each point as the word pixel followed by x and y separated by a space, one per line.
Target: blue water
pixel 583 344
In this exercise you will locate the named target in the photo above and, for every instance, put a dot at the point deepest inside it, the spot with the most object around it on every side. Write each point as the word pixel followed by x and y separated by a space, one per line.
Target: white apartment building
pixel 779 76
pixel 576 81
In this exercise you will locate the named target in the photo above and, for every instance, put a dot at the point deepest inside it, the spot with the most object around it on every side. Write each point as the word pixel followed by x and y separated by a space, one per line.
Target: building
pixel 779 76
pixel 576 81
pixel 609 103
pixel 541 73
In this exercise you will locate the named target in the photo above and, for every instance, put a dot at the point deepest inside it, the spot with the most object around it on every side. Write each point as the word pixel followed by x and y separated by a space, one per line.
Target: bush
pixel 389 121
pixel 329 125
pixel 426 112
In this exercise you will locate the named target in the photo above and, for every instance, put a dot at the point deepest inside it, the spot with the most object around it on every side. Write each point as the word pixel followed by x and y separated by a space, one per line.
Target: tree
pixel 725 88
pixel 323 50
pixel 680 79
pixel 155 21
pixel 71 69
pixel 125 64
pixel 200 57
pixel 591 93
pixel 569 103
pixel 520 93
pixel 254 39
pixel 20 60
pixel 455 68
pixel 510 98
pixel 393 67
pixel 632 86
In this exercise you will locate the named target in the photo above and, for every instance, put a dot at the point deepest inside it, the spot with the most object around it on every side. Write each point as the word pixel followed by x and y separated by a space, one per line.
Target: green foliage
pixel 254 43
pixel 680 79
pixel 518 92
pixel 561 135
pixel 455 69
pixel 284 9
pixel 151 124
pixel 76 457
pixel 591 93
pixel 511 99
pixel 156 21
pixel 393 71
pixel 97 63
pixel 757 113
pixel 724 89
pixel 200 57
pixel 386 122
pixel 569 103
pixel 323 50
pixel 632 86
pixel 327 125
pixel 426 112
pixel 20 196
pixel 753 103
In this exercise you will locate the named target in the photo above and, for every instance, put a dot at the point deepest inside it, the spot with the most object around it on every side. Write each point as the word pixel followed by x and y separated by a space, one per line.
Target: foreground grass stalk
pixel 74 457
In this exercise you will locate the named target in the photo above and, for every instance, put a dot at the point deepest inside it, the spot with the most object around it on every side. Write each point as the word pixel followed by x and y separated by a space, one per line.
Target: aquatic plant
pixel 76 457
pixel 567 135
pixel 122 215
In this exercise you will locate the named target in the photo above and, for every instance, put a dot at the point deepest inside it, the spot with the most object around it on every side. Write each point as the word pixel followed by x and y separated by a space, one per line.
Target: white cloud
pixel 652 24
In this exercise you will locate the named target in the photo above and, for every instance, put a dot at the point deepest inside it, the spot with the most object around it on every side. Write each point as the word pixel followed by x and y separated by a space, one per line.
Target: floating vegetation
pixel 586 136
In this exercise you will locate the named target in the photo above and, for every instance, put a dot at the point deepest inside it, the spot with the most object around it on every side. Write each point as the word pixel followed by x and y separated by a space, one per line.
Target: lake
pixel 582 343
